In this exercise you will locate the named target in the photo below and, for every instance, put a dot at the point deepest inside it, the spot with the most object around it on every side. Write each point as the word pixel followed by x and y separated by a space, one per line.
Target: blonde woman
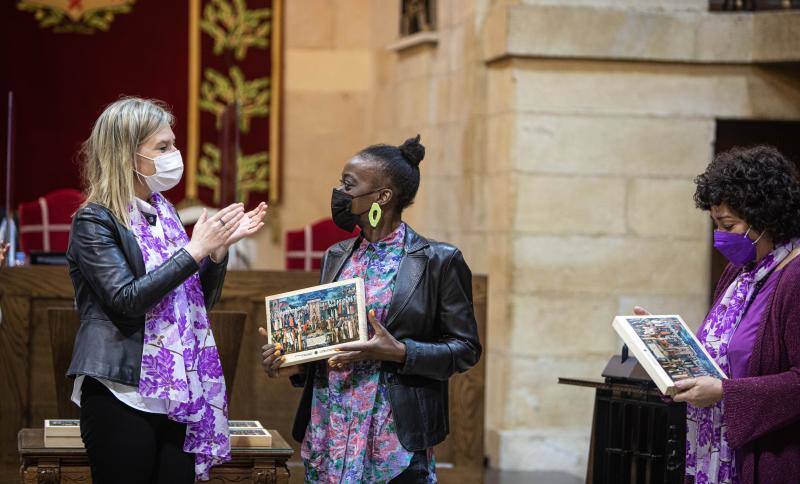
pixel 147 373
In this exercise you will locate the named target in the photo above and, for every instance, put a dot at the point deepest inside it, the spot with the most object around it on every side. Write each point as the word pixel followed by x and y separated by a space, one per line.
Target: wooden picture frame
pixel 311 323
pixel 666 348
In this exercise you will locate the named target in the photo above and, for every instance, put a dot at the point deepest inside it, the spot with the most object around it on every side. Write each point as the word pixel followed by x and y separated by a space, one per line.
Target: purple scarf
pixel 180 363
pixel 709 458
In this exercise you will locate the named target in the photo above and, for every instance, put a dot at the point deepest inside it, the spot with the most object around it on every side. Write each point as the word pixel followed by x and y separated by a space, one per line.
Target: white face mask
pixel 169 169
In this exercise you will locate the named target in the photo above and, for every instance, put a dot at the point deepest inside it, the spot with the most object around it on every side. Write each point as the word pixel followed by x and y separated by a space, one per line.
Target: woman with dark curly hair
pixel 746 429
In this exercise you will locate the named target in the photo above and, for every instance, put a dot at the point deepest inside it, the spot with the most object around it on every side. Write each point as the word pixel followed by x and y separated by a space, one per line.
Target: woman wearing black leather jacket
pixel 145 364
pixel 375 411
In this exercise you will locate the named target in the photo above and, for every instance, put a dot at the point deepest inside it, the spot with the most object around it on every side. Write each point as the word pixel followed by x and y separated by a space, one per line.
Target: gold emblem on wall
pixel 75 16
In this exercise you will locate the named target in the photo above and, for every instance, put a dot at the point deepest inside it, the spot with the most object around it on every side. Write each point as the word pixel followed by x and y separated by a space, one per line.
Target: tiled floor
pixel 492 477
pixel 519 477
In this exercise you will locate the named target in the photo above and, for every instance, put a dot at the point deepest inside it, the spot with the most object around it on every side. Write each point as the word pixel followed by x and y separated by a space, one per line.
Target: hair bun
pixel 412 150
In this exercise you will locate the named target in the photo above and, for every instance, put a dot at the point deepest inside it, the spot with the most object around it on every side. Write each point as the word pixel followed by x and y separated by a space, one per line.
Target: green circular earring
pixel 375 214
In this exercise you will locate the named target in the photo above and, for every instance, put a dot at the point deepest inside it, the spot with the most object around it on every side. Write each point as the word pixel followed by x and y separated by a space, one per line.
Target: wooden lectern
pixel 637 436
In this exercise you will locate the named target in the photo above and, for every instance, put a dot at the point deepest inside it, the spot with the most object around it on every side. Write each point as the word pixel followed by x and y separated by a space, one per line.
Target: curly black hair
pixel 401 165
pixel 759 185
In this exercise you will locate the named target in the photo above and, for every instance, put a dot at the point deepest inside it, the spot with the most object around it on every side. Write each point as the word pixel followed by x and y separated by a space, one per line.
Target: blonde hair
pixel 108 155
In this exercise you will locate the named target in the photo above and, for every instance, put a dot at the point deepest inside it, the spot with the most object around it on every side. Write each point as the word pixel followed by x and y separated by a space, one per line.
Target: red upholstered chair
pixel 44 224
pixel 305 247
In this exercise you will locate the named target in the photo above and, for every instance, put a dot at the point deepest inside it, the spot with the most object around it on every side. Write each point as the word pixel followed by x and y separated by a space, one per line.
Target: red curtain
pixel 62 81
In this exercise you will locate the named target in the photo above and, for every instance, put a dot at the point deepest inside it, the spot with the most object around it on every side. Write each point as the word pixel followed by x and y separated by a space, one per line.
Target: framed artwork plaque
pixel 311 323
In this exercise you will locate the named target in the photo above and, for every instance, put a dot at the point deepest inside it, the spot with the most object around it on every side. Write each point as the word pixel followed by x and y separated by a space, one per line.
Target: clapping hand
pixel 249 225
pixel 210 233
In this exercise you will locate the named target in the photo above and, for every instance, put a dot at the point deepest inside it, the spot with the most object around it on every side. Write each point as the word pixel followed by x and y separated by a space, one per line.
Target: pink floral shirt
pixel 352 435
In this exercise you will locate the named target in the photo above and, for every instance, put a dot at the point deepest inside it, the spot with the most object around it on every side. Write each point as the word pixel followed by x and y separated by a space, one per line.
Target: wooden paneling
pixel 64 324
pixel 26 372
pixel 25 361
pixel 14 369
pixel 752 5
pixel 227 327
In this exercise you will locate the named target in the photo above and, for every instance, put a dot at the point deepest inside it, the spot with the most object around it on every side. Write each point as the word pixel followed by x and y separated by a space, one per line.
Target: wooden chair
pixel 227 326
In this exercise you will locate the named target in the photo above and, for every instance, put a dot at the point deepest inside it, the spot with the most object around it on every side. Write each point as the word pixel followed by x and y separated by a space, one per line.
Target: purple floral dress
pixel 709 458
pixel 352 436
pixel 180 363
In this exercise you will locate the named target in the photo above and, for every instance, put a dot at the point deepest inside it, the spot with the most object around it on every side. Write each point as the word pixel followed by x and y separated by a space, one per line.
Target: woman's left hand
pixel 250 224
pixel 382 347
pixel 700 392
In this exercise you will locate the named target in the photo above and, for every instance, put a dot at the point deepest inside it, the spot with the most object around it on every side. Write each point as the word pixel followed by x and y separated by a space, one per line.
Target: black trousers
pixel 127 446
pixel 416 472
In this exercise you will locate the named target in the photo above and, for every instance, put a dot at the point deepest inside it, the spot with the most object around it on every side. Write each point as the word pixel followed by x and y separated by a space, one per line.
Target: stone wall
pixel 347 88
pixel 437 90
pixel 602 219
pixel 596 160
pixel 560 158
pixel 328 78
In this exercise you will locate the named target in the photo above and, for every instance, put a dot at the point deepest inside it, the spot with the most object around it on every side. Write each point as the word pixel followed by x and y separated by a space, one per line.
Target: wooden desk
pixel 26 365
pixel 41 465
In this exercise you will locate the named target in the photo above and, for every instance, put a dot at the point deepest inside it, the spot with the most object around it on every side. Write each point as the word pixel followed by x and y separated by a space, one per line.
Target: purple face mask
pixel 737 248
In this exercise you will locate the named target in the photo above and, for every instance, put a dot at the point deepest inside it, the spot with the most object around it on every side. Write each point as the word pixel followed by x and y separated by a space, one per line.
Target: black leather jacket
pixel 431 312
pixel 113 292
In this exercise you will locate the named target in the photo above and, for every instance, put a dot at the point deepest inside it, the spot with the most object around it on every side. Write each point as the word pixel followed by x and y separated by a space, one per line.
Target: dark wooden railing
pixel 752 5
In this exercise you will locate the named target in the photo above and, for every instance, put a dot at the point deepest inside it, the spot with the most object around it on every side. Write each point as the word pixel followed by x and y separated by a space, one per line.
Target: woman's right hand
pixel 272 358
pixel 210 233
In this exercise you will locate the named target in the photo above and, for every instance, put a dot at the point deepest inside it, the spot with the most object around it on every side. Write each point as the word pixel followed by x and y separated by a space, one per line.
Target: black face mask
pixel 342 209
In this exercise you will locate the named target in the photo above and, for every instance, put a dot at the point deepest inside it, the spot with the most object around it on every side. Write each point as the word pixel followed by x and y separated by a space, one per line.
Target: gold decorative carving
pixel 75 16
pixel 252 172
pixel 234 27
pixel 218 91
